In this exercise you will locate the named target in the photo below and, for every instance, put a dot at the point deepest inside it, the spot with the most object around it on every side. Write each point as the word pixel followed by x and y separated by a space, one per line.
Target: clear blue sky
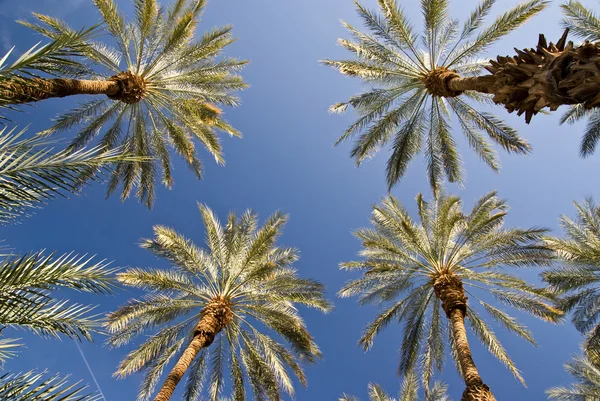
pixel 286 161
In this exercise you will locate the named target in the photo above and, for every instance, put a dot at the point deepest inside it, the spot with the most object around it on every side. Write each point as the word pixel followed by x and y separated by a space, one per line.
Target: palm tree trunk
pixel 125 86
pixel 476 389
pixel 449 289
pixel 26 90
pixel 551 75
pixel 215 316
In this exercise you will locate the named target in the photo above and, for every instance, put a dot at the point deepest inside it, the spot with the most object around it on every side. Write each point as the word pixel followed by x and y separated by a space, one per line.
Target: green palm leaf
pixel 587 387
pixel 577 280
pixel 32 174
pixel 31 386
pixel 26 286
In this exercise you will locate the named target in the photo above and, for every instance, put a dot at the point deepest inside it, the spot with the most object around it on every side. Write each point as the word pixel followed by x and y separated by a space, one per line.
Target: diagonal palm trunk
pixel 550 76
pixel 125 86
pixel 214 317
pixel 449 289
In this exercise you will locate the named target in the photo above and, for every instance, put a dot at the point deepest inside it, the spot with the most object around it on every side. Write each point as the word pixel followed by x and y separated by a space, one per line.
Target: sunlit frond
pixel 577 279
pixel 32 174
pixel 31 386
pixel 587 386
pixel 26 283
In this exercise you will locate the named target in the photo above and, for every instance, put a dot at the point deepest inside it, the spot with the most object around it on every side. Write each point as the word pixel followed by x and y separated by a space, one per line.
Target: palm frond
pixel 26 282
pixel 31 386
pixel 32 174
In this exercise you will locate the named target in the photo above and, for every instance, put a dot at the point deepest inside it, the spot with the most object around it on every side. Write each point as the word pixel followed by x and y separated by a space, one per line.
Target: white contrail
pixel 89 369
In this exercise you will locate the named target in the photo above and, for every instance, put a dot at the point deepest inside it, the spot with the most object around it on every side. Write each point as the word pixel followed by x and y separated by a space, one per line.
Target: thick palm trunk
pixel 215 316
pixel 551 75
pixel 125 87
pixel 449 289
pixel 26 90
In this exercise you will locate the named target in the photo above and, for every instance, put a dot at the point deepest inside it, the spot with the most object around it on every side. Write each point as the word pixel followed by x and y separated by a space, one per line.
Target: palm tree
pixel 166 97
pixel 578 280
pixel 586 25
pixel 31 386
pixel 416 88
pixel 427 268
pixel 214 298
pixel 588 386
pixel 408 392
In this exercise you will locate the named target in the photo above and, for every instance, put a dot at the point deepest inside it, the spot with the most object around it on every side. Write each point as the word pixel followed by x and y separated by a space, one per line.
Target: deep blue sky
pixel 286 161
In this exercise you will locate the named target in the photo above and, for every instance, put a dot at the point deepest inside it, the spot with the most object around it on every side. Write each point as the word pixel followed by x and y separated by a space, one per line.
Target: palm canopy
pixel 243 268
pixel 587 387
pixel 170 88
pixel 585 24
pixel 408 392
pixel 578 280
pixel 404 107
pixel 405 260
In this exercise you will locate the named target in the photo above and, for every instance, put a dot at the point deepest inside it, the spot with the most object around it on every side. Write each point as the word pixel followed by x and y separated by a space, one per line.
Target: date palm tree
pixel 211 305
pixel 166 97
pixel 577 281
pixel 408 392
pixel 426 269
pixel 416 88
pixel 587 387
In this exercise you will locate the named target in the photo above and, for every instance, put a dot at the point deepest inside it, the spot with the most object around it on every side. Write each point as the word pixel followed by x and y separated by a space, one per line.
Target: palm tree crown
pixel 578 281
pixel 587 387
pixel 241 280
pixel 410 104
pixel 165 98
pixel 426 268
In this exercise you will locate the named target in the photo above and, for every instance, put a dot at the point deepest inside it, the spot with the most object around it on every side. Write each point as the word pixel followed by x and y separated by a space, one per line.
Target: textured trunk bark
pixel 26 90
pixel 449 289
pixel 476 389
pixel 215 316
pixel 478 84
pixel 551 75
